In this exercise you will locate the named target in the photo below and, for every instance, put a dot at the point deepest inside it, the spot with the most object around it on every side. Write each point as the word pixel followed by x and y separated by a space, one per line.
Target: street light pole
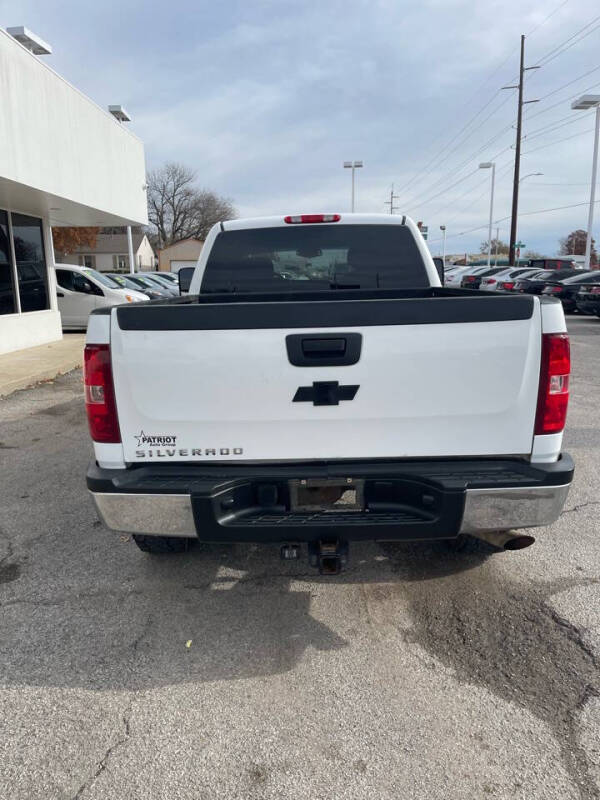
pixel 353 165
pixel 490 165
pixel 121 115
pixel 496 247
pixel 443 230
pixel 583 103
pixel 588 244
pixel 529 174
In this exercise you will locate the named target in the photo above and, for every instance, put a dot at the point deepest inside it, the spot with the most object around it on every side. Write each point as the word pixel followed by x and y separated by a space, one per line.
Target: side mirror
pixel 185 279
pixel 439 265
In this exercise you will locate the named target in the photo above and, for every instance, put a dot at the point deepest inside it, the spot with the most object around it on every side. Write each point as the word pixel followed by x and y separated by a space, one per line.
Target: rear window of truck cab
pixel 320 257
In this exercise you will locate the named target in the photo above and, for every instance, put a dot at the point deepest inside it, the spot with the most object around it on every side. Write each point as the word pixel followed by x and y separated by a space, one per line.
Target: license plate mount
pixel 333 495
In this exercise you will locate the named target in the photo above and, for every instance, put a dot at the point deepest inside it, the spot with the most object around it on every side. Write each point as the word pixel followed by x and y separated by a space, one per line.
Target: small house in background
pixel 181 254
pixel 110 253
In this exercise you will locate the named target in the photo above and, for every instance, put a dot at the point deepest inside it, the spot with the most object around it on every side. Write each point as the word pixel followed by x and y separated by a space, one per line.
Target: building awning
pixel 62 156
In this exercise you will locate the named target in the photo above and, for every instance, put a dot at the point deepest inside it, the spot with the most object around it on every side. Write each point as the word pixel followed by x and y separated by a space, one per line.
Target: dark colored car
pixel 474 281
pixel 148 286
pixel 552 263
pixel 125 282
pixel 588 298
pixel 566 290
pixel 537 283
pixel 509 284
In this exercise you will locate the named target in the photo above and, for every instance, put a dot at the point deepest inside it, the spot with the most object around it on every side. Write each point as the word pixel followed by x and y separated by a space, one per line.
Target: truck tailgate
pixel 435 376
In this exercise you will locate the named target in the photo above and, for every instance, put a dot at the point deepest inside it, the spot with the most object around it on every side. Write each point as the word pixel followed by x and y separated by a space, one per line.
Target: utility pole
pixel 515 199
pixel 390 202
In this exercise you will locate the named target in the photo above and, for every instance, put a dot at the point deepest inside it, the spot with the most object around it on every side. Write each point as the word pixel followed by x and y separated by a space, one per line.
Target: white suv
pixel 80 290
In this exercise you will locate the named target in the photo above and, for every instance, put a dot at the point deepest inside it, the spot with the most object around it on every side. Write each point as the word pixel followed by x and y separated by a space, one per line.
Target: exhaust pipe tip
pixel 505 540
pixel 519 543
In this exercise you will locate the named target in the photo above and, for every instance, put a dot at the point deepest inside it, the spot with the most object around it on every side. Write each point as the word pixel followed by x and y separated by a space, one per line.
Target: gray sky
pixel 266 100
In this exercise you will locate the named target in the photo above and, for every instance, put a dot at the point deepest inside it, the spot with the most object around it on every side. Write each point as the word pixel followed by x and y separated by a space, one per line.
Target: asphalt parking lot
pixel 226 673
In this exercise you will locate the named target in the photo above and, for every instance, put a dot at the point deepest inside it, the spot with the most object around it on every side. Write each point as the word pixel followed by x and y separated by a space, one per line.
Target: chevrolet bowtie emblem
pixel 325 393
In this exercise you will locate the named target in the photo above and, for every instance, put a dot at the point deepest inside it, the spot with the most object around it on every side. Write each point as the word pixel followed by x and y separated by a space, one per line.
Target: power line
pixel 427 168
pixel 572 118
pixel 556 51
pixel 558 208
pixel 570 83
pixel 544 183
pixel 522 214
pixel 443 191
pixel 460 166
pixel 502 172
pixel 558 141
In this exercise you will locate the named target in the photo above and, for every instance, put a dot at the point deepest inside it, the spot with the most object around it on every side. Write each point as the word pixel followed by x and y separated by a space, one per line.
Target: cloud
pixel 266 98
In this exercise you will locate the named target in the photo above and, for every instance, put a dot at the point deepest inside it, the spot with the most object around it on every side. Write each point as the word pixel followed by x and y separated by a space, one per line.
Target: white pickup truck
pixel 319 386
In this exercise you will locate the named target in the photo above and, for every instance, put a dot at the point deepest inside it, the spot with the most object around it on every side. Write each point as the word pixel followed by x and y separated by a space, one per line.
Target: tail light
pixel 100 403
pixel 490 280
pixel 595 290
pixel 553 395
pixel 507 285
pixel 552 290
pixel 311 218
pixel 470 279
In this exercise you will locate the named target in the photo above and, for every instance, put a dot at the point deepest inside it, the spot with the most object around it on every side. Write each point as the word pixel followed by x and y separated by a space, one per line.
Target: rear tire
pixel 161 544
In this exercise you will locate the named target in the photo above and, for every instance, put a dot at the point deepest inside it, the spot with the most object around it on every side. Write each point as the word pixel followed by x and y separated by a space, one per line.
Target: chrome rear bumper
pixel 484 510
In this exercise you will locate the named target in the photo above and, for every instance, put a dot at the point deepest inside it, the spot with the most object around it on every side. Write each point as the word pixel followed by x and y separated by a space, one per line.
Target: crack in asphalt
pixel 580 506
pixel 103 763
pixel 58 601
pixel 503 635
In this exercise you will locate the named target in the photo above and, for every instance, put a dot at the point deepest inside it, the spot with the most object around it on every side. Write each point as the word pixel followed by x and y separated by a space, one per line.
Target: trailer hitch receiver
pixel 330 557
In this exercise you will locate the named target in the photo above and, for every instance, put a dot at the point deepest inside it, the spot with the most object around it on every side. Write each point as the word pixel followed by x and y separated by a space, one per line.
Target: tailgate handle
pixel 316 350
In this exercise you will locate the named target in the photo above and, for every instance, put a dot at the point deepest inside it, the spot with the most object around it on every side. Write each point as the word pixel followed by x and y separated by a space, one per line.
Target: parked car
pixel 553 263
pixel 453 279
pixel 588 298
pixel 536 283
pixel 156 279
pixel 295 410
pixel 143 283
pixel 510 284
pixel 492 283
pixel 566 290
pixel 471 281
pixel 80 290
pixel 170 276
pixel 125 282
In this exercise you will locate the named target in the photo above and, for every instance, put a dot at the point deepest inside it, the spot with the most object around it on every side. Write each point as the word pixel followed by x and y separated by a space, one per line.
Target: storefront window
pixel 31 262
pixel 8 304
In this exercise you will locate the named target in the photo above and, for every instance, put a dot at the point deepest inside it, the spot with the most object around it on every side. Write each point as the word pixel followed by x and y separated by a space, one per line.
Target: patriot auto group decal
pixel 165 446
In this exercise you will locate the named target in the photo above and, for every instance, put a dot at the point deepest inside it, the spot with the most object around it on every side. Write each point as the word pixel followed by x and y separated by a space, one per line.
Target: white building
pixel 63 161
pixel 110 253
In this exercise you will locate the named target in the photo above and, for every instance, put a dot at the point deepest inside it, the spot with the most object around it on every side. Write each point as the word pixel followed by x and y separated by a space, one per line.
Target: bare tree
pixel 498 246
pixel 574 245
pixel 177 209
